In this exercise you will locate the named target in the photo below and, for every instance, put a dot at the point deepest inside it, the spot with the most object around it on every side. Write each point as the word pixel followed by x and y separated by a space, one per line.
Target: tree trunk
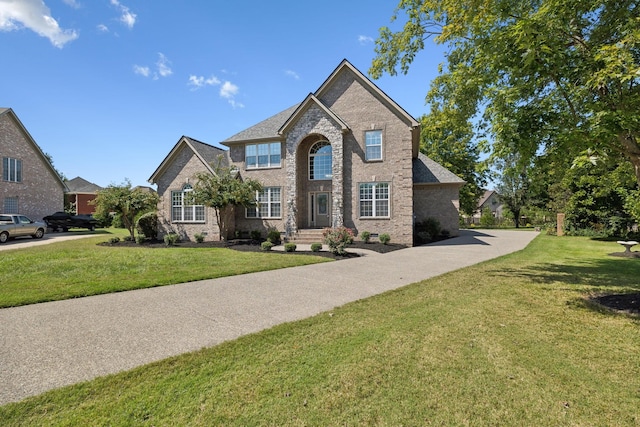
pixel 632 151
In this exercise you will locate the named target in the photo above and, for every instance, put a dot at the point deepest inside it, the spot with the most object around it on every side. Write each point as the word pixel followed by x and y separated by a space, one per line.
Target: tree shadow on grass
pixel 614 282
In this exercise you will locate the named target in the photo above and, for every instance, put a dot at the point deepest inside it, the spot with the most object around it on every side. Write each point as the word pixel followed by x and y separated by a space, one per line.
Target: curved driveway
pixel 49 345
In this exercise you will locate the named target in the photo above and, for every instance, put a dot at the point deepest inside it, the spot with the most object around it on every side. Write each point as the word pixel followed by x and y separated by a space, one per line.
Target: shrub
pixel 316 247
pixel 199 237
pixel 487 220
pixel 105 219
pixel 128 239
pixel 171 239
pixel 255 234
pixel 114 240
pixel 384 238
pixel 273 236
pixel 290 247
pixel 337 239
pixel 266 245
pixel 140 239
pixel 428 229
pixel 365 236
pixel 147 225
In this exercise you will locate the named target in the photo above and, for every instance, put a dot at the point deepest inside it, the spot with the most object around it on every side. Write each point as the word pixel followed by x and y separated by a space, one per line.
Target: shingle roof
pixel 427 171
pixel 208 152
pixel 265 129
pixel 80 185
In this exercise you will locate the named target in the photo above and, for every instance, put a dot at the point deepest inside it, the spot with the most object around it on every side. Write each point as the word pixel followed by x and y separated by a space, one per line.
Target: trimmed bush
pixel 199 237
pixel 171 239
pixel 365 236
pixel 255 234
pixel 147 225
pixel 290 247
pixel 140 239
pixel 128 239
pixel 384 238
pixel 337 239
pixel 316 247
pixel 273 236
pixel 266 246
pixel 114 240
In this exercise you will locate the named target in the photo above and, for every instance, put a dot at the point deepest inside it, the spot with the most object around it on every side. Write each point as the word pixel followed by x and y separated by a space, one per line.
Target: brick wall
pixel 40 193
pixel 440 202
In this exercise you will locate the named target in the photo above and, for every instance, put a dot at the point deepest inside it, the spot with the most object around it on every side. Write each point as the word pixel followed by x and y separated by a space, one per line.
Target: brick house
pixel 30 185
pixel 347 155
pixel 79 195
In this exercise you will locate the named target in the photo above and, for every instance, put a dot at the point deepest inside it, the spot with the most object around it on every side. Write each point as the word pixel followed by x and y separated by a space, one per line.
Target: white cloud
pixel 143 71
pixel 163 66
pixel 293 74
pixel 228 91
pixel 199 81
pixel 102 28
pixel 127 17
pixel 365 39
pixel 36 16
pixel 73 3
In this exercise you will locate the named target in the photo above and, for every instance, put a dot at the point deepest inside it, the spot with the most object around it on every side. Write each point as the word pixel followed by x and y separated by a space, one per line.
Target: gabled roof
pixel 310 101
pixel 427 171
pixel 10 113
pixel 485 197
pixel 80 185
pixel 265 130
pixel 205 152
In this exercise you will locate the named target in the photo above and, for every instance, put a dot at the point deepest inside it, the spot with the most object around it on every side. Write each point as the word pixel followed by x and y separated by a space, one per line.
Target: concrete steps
pixel 307 236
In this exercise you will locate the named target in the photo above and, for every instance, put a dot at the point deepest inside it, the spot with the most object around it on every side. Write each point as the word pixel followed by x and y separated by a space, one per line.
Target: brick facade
pixel 41 192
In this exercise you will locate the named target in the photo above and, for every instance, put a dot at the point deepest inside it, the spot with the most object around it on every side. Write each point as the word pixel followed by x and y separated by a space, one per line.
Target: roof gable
pixel 310 101
pixel 81 185
pixel 206 153
pixel 265 130
pixel 10 113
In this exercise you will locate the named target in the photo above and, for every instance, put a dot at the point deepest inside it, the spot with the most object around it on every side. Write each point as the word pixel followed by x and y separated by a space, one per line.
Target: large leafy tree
pixel 514 185
pixel 551 77
pixel 126 201
pixel 222 190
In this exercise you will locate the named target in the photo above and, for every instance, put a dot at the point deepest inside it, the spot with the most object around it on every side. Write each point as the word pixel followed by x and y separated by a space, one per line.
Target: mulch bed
pixel 628 303
pixel 248 245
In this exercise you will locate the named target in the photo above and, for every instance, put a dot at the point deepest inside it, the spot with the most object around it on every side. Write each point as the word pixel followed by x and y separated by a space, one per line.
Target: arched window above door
pixel 320 164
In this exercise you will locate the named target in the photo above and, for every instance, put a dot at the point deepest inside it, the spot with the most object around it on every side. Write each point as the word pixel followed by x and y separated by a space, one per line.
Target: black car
pixel 65 221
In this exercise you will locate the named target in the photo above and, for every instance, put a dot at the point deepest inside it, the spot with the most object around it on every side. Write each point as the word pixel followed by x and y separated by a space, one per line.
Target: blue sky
pixel 107 87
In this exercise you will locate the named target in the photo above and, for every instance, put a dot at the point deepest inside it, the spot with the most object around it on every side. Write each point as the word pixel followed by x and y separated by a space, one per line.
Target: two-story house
pixel 347 155
pixel 29 185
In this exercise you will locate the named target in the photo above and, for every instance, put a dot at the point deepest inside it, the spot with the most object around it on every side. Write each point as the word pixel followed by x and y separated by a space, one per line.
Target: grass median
pixel 78 268
pixel 512 342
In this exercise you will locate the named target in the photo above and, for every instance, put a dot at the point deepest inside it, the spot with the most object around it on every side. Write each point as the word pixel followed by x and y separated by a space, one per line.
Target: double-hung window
pixel 266 155
pixel 269 204
pixel 11 169
pixel 374 200
pixel 373 145
pixel 182 209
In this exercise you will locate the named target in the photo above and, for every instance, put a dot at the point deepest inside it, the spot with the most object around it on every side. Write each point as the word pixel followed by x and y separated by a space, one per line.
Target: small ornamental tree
pixel 222 190
pixel 126 201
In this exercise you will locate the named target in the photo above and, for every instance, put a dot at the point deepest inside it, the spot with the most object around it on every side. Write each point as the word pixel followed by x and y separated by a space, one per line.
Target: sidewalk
pixel 49 345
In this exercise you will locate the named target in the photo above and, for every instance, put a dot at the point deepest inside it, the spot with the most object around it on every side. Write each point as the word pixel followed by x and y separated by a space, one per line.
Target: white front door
pixel 320 208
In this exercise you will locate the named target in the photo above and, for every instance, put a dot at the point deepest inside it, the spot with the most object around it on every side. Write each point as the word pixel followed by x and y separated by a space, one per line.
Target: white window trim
pixel 184 207
pixel 311 156
pixel 374 200
pixel 269 164
pixel 269 204
pixel 381 145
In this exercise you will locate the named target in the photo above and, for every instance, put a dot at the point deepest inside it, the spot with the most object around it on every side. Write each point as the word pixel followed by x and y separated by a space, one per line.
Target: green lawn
pixel 507 342
pixel 81 267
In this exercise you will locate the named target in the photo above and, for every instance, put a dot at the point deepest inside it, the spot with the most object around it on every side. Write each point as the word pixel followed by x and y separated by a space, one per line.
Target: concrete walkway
pixel 45 346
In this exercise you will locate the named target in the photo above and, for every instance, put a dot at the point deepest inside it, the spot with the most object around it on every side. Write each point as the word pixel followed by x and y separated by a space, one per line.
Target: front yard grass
pixel 510 342
pixel 78 268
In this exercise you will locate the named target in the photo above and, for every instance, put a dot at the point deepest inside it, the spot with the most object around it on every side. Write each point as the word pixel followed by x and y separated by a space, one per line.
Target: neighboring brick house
pixel 79 195
pixel 489 200
pixel 30 185
pixel 348 155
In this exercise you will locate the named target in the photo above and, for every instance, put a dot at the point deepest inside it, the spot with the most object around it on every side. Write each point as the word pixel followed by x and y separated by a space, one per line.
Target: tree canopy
pixel 222 190
pixel 550 77
pixel 126 201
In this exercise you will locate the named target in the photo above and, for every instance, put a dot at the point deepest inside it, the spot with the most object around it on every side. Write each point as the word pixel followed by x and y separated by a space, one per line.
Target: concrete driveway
pixel 49 345
pixel 26 242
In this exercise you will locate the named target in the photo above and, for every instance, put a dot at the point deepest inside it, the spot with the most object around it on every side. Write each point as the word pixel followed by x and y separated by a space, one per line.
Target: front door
pixel 320 208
